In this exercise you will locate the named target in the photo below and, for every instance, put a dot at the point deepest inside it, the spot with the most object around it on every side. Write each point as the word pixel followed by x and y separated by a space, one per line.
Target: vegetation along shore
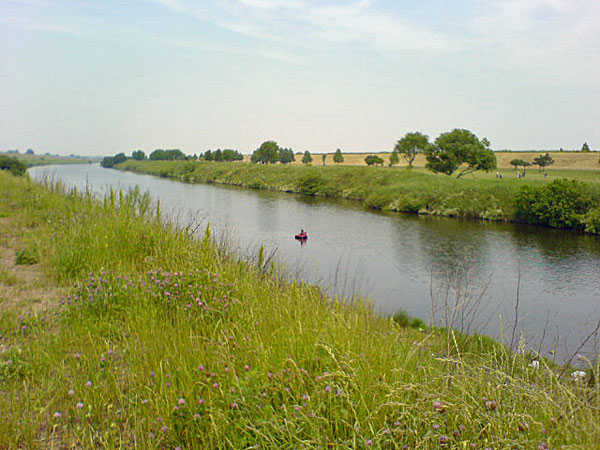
pixel 563 198
pixel 459 176
pixel 119 330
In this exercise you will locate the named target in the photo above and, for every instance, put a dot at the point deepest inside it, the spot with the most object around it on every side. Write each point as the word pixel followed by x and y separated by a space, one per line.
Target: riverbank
pixel 167 341
pixel 532 199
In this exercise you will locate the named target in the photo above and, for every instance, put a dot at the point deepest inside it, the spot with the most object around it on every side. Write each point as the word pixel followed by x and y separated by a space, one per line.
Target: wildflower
pixel 327 388
pixel 438 406
pixel 201 368
pixel 164 428
pixel 71 392
pixel 444 439
pixel 247 367
pixel 535 364
pixel 57 414
pixel 216 385
pixel 79 405
pixel 492 405
pixel 543 446
pixel 197 416
pixel 88 384
pixel 201 401
pixel 227 369
pixel 436 426
pixel 181 401
pixel 369 442
pixel 234 405
pixel 152 374
pixel 523 426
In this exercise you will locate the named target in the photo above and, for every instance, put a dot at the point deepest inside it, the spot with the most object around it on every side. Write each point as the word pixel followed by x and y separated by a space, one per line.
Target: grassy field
pixel 563 160
pixel 42 160
pixel 481 196
pixel 119 331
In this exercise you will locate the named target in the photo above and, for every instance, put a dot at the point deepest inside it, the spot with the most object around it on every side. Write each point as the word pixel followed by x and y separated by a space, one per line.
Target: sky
pixel 100 77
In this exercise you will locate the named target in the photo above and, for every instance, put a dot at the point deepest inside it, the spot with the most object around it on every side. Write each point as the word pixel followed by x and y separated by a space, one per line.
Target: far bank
pixel 559 200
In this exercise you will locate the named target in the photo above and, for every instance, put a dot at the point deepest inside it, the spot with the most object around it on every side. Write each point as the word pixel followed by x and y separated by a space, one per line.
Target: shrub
pixel 12 165
pixel 591 221
pixel 560 204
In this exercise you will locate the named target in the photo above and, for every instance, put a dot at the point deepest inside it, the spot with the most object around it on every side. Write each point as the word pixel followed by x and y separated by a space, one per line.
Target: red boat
pixel 302 236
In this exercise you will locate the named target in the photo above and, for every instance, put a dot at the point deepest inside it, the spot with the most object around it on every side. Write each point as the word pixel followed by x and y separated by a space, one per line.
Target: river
pixel 463 272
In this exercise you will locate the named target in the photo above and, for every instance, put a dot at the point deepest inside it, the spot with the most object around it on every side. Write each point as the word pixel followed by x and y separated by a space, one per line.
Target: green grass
pixel 165 341
pixel 45 160
pixel 480 196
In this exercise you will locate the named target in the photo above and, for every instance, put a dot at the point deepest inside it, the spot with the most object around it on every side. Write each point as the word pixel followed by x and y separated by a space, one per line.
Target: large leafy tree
pixel 286 155
pixel 338 157
pixel 543 161
pixel 138 155
pixel 267 153
pixel 411 145
pixel 459 150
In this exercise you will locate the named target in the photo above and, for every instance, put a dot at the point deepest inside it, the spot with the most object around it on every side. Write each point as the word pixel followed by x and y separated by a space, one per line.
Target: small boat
pixel 302 236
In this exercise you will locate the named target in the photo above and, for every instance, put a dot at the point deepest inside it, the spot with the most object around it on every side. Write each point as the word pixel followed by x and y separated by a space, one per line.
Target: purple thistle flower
pixel 247 367
pixel 164 428
pixel 71 392
pixel 57 415
pixel 444 439
pixel 369 442
pixel 216 385
pixel 201 401
pixel 88 384
pixel 234 405
pixel 79 405
pixel 327 388
pixel 181 401
pixel 436 426
pixel 197 416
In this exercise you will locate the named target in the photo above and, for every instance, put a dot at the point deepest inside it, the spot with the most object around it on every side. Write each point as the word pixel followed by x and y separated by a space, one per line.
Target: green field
pixel 479 196
pixel 46 160
pixel 164 340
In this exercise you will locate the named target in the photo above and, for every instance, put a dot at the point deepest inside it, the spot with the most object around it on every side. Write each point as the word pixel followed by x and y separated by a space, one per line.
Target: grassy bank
pixel 163 341
pixel 482 196
pixel 46 160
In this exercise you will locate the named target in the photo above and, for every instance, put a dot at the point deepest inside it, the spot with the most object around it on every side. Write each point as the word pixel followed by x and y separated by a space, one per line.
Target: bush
pixel 591 221
pixel 560 204
pixel 12 165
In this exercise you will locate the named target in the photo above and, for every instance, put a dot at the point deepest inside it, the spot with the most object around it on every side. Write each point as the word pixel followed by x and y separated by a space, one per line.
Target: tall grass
pixel 164 342
pixel 416 191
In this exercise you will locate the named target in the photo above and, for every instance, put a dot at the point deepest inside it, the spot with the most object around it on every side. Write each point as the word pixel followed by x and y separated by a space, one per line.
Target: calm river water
pixel 422 265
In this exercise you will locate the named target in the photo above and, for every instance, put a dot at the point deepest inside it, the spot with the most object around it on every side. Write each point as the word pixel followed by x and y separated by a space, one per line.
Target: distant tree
pixel 232 155
pixel 167 155
pixel 107 162
pixel 338 158
pixel 307 158
pixel 411 145
pixel 29 151
pixel 218 155
pixel 394 158
pixel 324 157
pixel 12 165
pixel 543 161
pixel 519 162
pixel 458 148
pixel 119 158
pixel 267 153
pixel 286 155
pixel 371 160
pixel 207 155
pixel 138 155
pixel 585 147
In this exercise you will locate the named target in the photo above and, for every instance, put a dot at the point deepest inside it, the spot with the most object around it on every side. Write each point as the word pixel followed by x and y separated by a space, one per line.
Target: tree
pixel 458 148
pixel 29 151
pixel 585 147
pixel 520 162
pixel 307 158
pixel 371 160
pixel 267 153
pixel 394 158
pixel 167 155
pixel 412 144
pixel 543 161
pixel 108 162
pixel 286 155
pixel 324 157
pixel 138 155
pixel 338 157
pixel 218 155
pixel 232 155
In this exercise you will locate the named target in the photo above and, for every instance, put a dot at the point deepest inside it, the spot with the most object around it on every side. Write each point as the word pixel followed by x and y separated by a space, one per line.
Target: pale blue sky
pixel 102 76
